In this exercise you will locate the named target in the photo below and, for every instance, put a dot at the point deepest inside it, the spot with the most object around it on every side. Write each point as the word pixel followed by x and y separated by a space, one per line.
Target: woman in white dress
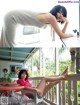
pixel 29 18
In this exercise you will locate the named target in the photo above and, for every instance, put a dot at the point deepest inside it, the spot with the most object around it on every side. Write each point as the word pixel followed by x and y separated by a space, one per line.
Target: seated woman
pixel 24 81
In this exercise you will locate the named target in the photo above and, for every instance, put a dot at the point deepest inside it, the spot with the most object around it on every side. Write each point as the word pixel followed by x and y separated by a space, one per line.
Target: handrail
pixel 66 90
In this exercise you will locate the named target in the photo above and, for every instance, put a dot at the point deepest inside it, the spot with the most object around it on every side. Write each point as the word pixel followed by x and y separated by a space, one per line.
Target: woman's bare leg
pixel 49 86
pixel 53 80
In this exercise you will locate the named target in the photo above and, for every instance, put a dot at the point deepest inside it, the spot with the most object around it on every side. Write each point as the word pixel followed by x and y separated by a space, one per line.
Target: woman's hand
pixel 15 81
pixel 39 91
pixel 67 36
pixel 64 19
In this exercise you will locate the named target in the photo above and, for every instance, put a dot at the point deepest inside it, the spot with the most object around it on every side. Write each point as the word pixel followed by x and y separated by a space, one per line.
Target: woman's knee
pixel 44 79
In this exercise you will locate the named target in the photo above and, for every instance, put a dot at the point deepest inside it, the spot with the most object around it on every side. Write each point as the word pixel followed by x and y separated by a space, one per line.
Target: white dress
pixel 12 20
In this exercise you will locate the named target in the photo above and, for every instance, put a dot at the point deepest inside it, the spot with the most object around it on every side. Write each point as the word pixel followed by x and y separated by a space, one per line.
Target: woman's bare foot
pixel 67 69
pixel 65 74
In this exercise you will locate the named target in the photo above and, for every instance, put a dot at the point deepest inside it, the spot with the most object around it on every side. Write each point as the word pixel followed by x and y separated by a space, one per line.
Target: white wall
pixel 6 64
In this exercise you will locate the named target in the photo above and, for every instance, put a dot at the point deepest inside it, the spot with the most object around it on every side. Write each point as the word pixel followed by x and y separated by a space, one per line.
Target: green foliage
pixel 63 65
pixel 61 50
pixel 71 72
pixel 79 83
pixel 5 79
pixel 49 64
pixel 78 86
pixel 78 100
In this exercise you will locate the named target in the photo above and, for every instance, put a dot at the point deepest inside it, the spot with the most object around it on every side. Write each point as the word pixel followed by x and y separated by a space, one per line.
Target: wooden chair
pixel 37 99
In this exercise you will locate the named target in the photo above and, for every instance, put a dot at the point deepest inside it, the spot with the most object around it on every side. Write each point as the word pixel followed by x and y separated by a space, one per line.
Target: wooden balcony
pixel 65 93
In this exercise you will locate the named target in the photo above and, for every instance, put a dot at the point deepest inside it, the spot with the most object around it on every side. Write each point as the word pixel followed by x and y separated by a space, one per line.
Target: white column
pixel 79 18
pixel 44 65
pixel 57 72
pixel 32 66
pixel 40 54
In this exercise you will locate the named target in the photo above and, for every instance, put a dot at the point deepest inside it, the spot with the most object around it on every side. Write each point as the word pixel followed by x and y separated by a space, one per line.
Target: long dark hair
pixel 56 9
pixel 21 72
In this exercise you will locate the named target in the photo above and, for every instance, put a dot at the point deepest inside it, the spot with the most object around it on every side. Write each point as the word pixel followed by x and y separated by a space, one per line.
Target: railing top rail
pixel 74 77
pixel 70 77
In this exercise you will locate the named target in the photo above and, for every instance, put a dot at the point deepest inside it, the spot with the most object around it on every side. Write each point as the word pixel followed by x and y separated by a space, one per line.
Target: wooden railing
pixel 68 91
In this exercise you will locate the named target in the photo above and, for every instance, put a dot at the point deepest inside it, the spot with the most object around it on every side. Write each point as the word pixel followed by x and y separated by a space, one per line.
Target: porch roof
pixel 17 54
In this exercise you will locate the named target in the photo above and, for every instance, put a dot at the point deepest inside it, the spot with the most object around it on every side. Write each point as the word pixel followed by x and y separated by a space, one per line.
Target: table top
pixel 71 42
pixel 10 86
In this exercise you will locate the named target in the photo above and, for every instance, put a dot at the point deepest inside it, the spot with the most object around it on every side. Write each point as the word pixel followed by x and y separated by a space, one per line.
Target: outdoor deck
pixel 66 93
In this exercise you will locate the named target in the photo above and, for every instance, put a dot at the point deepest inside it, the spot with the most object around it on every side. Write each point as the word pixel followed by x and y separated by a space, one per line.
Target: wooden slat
pixel 72 84
pixel 75 92
pixel 63 90
pixel 69 93
pixel 60 93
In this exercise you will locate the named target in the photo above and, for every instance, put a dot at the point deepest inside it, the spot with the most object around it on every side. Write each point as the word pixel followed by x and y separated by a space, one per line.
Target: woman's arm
pixel 30 88
pixel 34 89
pixel 48 18
pixel 65 27
pixel 66 24
pixel 54 24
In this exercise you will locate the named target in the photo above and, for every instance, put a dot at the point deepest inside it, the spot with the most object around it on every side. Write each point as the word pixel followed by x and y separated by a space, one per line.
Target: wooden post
pixel 78 60
pixel 73 59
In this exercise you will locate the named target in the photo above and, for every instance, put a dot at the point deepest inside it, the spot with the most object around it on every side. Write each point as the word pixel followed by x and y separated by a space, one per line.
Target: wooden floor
pixel 26 104
pixel 16 102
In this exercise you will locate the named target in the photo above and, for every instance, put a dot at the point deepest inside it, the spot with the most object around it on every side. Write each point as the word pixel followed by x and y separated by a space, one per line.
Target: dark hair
pixel 56 9
pixel 21 72
pixel 5 70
